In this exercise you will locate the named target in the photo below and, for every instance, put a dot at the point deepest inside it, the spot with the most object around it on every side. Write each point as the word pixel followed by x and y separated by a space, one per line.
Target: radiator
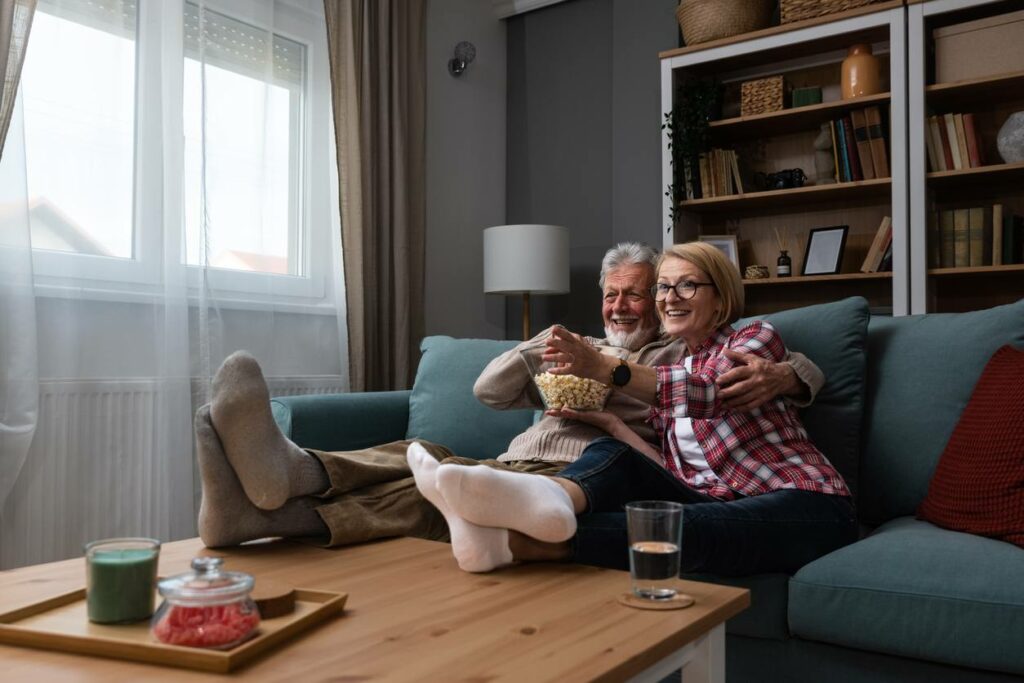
pixel 112 458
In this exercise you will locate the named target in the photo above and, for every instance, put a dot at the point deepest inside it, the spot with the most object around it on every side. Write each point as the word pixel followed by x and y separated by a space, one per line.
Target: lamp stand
pixel 526 316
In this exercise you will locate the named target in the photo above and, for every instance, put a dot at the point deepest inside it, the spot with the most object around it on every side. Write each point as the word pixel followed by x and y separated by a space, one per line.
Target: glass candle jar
pixel 206 607
pixel 120 575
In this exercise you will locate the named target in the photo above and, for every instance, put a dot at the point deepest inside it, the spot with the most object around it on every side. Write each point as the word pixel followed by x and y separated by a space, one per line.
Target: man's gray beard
pixel 634 340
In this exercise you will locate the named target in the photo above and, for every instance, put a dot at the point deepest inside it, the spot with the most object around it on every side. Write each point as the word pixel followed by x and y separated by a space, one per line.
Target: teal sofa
pixel 908 602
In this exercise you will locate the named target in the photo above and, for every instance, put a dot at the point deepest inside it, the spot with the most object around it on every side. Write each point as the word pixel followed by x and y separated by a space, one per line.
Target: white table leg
pixel 702 661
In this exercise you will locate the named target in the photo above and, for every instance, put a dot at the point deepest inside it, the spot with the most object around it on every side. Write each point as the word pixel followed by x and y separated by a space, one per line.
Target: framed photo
pixel 726 244
pixel 824 254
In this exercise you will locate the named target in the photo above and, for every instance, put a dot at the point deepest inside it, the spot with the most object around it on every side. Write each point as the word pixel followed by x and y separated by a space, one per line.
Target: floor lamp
pixel 526 259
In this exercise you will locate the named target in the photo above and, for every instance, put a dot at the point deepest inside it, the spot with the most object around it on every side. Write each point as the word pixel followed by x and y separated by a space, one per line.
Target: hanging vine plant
pixel 698 103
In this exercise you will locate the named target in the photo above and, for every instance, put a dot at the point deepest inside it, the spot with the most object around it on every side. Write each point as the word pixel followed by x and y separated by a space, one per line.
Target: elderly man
pixel 257 483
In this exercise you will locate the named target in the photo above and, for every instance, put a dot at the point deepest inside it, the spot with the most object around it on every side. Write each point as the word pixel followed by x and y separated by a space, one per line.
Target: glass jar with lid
pixel 206 607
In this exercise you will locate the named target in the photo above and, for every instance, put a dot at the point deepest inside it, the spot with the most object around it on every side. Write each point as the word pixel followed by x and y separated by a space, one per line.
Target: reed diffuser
pixel 784 264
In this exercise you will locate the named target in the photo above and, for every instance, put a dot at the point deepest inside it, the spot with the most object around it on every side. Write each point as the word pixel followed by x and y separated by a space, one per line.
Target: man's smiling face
pixel 628 307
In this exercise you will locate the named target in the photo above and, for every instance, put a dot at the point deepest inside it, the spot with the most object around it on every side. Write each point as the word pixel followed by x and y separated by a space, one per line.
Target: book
pixel 876 133
pixel 961 139
pixel 929 145
pixel 997 234
pixel 835 152
pixel 883 236
pixel 946 234
pixel 954 145
pixel 860 135
pixel 705 176
pixel 1013 238
pixel 936 138
pixel 974 148
pixel 851 150
pixel 979 234
pixel 844 158
pixel 934 240
pixel 885 265
pixel 734 164
pixel 947 150
pixel 961 238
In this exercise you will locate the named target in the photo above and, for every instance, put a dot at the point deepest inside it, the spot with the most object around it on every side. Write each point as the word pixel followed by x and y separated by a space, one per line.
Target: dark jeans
pixel 778 531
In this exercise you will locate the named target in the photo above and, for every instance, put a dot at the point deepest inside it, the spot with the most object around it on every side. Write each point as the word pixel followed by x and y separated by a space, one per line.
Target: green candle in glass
pixel 121 579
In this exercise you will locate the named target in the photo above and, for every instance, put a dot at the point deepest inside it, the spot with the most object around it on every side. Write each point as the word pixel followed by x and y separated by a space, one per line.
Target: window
pixel 91 94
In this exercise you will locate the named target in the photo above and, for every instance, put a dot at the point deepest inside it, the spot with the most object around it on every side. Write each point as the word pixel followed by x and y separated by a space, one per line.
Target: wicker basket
pixel 795 10
pixel 704 20
pixel 761 96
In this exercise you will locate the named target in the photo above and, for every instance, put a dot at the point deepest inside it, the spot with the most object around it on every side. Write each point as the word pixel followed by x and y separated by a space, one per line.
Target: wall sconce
pixel 465 52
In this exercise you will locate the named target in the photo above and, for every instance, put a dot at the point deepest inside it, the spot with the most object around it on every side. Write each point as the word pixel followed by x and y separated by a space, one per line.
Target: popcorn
pixel 570 391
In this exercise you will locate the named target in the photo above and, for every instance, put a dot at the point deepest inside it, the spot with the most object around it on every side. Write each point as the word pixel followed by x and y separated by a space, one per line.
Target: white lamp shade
pixel 526 258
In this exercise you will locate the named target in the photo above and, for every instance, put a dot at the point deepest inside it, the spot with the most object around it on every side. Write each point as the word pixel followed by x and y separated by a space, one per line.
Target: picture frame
pixel 726 244
pixel 824 253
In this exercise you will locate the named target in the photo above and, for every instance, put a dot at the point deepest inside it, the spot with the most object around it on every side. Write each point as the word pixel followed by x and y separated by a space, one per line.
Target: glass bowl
pixel 567 391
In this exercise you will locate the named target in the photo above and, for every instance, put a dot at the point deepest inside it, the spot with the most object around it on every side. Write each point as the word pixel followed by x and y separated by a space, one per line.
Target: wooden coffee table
pixel 412 615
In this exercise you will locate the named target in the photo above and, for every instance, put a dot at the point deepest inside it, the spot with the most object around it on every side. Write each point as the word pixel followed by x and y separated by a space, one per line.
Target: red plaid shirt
pixel 750 452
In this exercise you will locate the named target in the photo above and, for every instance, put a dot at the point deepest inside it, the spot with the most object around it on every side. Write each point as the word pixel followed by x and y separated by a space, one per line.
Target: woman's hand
pixel 575 356
pixel 601 419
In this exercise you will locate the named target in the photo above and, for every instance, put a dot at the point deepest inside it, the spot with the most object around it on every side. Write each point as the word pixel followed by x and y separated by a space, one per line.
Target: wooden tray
pixel 60 623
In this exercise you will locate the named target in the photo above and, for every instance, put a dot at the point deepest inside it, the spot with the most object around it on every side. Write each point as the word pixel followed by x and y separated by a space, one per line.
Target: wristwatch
pixel 621 374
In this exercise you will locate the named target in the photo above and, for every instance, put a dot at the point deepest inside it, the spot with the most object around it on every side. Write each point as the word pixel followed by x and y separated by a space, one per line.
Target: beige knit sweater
pixel 506 384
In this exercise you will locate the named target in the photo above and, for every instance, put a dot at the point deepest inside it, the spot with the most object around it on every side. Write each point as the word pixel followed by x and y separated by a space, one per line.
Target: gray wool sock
pixel 226 516
pixel 271 468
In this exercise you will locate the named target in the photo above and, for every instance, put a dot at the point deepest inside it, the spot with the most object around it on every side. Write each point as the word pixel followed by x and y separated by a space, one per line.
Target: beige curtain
pixel 15 22
pixel 377 55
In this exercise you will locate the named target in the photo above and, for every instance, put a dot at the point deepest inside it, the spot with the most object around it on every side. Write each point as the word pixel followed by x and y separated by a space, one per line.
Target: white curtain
pixel 167 199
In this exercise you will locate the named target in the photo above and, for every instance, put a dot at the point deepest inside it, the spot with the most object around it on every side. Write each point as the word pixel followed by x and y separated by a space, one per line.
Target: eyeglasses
pixel 686 289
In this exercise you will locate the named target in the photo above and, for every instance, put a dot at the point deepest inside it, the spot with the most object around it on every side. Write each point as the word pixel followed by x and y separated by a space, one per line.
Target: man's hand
pixel 755 381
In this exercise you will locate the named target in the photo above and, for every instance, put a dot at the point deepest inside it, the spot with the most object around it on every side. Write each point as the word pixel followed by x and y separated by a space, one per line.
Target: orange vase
pixel 860 72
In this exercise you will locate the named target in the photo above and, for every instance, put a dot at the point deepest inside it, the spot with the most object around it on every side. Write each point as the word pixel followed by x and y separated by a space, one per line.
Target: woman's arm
pixel 614 426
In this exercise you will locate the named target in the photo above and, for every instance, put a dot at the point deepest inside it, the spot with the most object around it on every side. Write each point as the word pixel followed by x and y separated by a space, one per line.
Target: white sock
pixel 528 503
pixel 476 549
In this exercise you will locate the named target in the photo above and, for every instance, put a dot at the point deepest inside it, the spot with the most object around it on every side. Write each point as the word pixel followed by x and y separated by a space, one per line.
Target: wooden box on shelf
pixel 762 96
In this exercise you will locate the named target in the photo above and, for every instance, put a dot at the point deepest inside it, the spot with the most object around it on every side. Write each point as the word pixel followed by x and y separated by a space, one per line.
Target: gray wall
pixel 584 136
pixel 465 167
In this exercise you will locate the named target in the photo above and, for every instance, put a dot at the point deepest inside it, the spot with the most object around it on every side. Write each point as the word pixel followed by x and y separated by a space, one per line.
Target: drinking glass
pixel 655 530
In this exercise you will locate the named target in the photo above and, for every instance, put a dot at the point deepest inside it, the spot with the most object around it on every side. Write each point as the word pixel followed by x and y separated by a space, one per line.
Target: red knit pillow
pixel 978 485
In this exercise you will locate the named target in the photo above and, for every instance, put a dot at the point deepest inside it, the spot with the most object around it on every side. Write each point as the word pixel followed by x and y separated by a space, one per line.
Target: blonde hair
pixel 724 275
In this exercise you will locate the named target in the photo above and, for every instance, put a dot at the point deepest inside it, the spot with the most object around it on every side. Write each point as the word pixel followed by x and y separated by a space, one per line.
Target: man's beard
pixel 631 340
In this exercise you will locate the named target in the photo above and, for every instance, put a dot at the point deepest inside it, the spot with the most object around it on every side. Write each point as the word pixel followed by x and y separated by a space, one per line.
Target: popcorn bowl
pixel 567 391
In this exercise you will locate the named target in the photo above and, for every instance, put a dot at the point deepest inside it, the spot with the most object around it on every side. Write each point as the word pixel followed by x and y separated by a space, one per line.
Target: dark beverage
pixel 655 567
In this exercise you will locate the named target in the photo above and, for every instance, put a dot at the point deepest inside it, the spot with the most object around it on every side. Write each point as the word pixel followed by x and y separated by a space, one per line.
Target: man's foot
pixel 476 549
pixel 528 503
pixel 226 516
pixel 271 468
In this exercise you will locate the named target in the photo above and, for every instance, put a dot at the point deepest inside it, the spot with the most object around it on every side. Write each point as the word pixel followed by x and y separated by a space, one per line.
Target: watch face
pixel 621 375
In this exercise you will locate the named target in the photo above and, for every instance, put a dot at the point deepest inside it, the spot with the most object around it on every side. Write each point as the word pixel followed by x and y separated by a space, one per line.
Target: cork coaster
pixel 680 601
pixel 273 599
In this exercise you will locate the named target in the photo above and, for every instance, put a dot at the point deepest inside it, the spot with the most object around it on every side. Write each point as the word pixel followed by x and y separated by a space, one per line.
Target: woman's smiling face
pixel 693 320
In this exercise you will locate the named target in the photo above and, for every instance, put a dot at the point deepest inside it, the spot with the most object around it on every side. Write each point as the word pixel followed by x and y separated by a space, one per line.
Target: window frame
pixel 161 75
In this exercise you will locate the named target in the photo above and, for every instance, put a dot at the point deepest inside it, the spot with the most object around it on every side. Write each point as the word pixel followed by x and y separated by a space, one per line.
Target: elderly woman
pixel 758 496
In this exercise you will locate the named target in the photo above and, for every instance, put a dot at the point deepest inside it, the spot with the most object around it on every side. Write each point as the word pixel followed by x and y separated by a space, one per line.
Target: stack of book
pixel 719 174
pixel 879 258
pixel 858 146
pixel 953 143
pixel 975 236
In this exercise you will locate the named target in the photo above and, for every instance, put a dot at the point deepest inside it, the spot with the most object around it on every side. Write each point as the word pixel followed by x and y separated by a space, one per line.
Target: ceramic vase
pixel 1010 140
pixel 860 72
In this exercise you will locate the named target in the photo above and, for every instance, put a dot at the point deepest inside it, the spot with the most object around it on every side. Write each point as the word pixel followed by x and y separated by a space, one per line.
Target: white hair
pixel 624 254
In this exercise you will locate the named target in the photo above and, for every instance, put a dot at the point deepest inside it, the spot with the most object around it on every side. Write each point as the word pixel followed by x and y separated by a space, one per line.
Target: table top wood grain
pixel 411 615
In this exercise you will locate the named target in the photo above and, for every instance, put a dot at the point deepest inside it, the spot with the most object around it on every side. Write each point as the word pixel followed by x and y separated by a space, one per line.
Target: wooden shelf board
pixel 994 173
pixel 792 120
pixel 1007 86
pixel 783 28
pixel 793 196
pixel 977 270
pixel 802 279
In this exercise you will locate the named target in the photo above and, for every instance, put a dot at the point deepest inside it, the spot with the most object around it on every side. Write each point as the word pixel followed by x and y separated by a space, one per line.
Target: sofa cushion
pixel 978 486
pixel 442 408
pixel 833 336
pixel 921 371
pixel 915 590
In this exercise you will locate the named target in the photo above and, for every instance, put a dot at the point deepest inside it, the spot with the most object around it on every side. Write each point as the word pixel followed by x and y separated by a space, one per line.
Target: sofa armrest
pixel 343 422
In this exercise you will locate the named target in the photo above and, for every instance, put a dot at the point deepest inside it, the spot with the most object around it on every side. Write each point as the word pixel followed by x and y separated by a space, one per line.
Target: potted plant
pixel 698 102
